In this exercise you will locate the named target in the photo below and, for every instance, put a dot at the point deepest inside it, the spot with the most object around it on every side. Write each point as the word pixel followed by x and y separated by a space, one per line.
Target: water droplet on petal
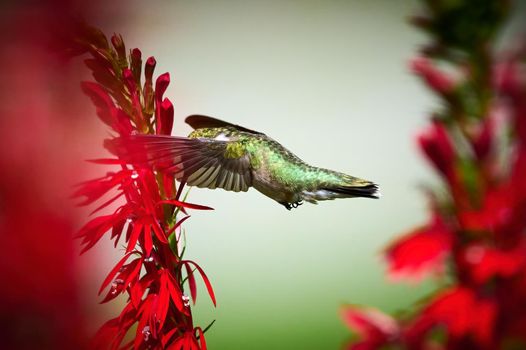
pixel 128 220
pixel 134 175
pixel 146 332
pixel 149 259
pixel 186 300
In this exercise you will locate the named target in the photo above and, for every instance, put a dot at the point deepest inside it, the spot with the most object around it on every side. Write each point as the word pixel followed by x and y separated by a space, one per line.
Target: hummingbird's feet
pixel 289 206
pixel 297 204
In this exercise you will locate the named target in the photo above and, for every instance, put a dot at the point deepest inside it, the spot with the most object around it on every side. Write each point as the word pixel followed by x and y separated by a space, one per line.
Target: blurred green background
pixel 329 80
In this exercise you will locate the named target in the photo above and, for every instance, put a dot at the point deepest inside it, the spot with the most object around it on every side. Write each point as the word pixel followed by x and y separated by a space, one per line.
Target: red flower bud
pixel 438 148
pixel 483 141
pixel 435 79
pixel 149 68
pixel 136 65
pixel 118 44
pixel 163 116
pixel 161 84
pixel 127 76
pixel 167 117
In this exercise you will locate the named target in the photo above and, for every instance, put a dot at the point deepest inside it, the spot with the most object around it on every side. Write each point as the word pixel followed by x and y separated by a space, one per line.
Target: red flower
pixel 420 252
pixel 483 263
pixel 492 215
pixel 462 313
pixel 152 272
pixel 374 328
pixel 501 212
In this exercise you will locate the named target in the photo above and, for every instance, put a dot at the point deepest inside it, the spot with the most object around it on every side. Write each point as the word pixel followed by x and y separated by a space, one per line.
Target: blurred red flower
pixel 477 144
pixel 374 328
pixel 421 252
pixel 455 310
pixel 437 80
pixel 40 159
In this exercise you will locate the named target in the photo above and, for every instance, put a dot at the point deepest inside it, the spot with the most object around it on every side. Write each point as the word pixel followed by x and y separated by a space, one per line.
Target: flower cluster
pixel 152 272
pixel 476 233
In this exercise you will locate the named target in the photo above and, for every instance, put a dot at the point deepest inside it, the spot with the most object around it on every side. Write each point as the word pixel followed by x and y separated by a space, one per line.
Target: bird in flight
pixel 218 154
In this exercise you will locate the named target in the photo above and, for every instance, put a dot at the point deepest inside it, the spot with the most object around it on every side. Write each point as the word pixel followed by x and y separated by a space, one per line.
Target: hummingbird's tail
pixel 338 185
pixel 368 191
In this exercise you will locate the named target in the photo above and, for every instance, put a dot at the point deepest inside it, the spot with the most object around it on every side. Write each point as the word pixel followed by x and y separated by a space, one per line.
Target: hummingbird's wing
pixel 198 162
pixel 197 121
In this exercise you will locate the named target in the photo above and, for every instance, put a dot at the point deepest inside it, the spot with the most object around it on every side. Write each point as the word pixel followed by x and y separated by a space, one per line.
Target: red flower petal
pixel 134 237
pixel 177 224
pixel 205 279
pixel 172 287
pixel 166 337
pixel 201 338
pixel 102 101
pixel 93 231
pixel 113 272
pixel 191 282
pixel 163 304
pixel 372 326
pixel 159 233
pixel 456 309
pixel 482 326
pixel 185 204
pixel 483 263
pixel 132 272
pixel 421 252
pixel 186 341
pixel 148 242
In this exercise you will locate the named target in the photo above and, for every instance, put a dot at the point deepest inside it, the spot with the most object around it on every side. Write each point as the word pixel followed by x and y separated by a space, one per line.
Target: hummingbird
pixel 218 154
